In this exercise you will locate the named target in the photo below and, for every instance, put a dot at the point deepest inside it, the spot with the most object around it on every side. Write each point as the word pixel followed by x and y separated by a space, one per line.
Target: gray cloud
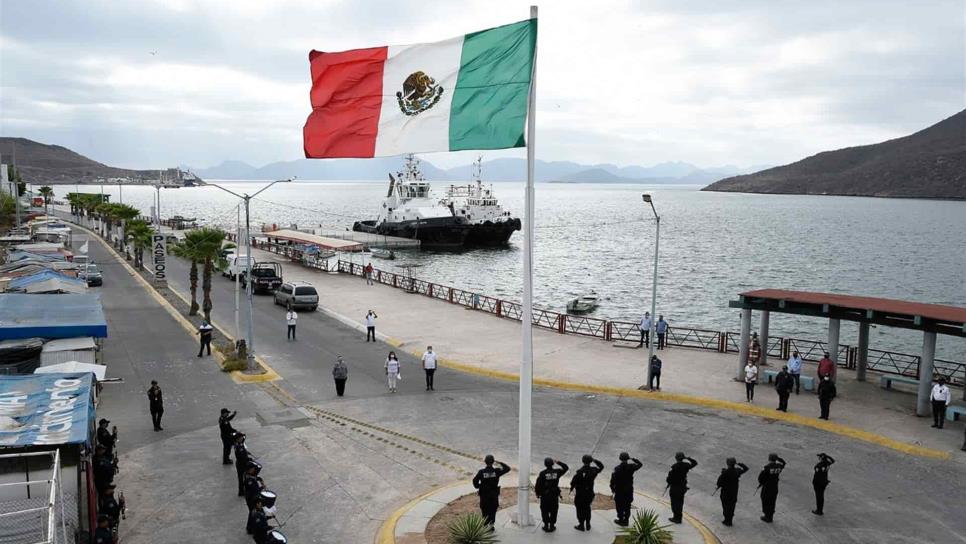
pixel 712 82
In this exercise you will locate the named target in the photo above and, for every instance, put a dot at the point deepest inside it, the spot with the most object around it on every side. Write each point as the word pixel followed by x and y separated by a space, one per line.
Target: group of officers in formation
pixel 260 502
pixel 104 464
pixel 547 488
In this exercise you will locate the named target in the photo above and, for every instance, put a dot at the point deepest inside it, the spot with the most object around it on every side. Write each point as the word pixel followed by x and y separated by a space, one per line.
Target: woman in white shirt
pixel 392 371
pixel 751 379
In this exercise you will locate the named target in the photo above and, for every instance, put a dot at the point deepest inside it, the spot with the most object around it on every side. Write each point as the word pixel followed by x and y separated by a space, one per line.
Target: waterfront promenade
pixel 485 343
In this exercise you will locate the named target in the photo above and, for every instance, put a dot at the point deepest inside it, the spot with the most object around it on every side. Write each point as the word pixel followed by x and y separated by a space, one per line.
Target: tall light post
pixel 249 341
pixel 651 332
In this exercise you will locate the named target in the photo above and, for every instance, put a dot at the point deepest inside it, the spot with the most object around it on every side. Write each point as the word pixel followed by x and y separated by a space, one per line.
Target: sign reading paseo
pixel 160 255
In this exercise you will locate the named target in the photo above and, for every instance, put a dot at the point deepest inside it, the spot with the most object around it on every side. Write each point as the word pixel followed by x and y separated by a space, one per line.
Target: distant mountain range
pixel 928 164
pixel 44 163
pixel 493 170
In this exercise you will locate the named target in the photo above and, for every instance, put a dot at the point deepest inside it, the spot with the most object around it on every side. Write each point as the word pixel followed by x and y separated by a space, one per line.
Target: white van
pixel 237 264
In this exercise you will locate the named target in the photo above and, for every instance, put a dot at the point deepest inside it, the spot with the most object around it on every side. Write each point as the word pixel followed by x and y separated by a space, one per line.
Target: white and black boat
pixel 410 211
pixel 490 224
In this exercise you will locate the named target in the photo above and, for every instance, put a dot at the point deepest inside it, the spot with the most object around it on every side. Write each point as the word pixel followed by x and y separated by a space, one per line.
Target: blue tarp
pixel 18 255
pixel 23 281
pixel 47 409
pixel 51 316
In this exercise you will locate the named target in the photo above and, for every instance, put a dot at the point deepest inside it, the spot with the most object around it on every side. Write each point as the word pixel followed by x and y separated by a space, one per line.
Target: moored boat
pixel 490 224
pixel 583 304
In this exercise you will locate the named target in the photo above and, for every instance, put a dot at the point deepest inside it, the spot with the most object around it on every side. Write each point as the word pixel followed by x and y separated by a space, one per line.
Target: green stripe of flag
pixel 489 108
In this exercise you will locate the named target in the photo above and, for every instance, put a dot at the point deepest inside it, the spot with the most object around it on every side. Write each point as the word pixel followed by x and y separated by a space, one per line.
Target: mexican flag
pixel 469 92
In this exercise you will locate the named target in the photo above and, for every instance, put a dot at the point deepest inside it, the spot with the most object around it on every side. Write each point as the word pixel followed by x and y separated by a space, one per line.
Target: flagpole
pixel 526 365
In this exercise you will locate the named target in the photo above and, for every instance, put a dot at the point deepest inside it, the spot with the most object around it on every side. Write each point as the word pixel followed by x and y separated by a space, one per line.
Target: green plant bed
pixel 232 362
pixel 645 529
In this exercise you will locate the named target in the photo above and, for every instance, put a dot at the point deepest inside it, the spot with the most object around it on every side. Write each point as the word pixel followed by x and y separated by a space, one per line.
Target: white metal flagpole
pixel 526 365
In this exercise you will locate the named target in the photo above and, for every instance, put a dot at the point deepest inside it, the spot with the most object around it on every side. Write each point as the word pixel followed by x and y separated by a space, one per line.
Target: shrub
pixel 232 360
pixel 645 529
pixel 471 529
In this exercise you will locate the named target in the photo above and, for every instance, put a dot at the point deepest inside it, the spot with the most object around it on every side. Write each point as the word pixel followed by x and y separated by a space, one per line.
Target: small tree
pixel 201 246
pixel 645 529
pixel 139 235
pixel 48 193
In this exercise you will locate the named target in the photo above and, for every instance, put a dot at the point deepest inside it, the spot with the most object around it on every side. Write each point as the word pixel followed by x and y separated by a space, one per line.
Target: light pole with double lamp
pixel 651 332
pixel 249 341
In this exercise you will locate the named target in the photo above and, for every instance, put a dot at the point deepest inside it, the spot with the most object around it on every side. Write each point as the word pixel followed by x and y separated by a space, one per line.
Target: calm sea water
pixel 713 246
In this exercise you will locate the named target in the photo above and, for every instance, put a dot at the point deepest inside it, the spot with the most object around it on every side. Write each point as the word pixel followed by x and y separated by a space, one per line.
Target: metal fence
pixel 35 511
pixel 886 362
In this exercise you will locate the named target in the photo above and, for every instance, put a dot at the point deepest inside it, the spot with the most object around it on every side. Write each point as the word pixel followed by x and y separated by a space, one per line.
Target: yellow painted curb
pixel 707 402
pixel 236 375
pixel 387 531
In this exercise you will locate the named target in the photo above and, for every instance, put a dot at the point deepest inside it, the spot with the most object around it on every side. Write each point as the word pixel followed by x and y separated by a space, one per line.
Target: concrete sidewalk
pixel 491 344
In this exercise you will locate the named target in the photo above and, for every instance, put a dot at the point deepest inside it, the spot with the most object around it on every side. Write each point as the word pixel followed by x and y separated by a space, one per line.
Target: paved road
pixel 877 495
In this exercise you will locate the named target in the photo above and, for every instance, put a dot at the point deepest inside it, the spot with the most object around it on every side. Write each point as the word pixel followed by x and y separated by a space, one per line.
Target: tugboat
pixel 489 224
pixel 410 211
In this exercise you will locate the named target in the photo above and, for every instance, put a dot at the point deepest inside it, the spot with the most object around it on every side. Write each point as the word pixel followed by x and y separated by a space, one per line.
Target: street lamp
pixel 651 333
pixel 248 268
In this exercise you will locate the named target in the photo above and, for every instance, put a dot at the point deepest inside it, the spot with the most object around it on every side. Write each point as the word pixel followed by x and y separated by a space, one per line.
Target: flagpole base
pixel 529 522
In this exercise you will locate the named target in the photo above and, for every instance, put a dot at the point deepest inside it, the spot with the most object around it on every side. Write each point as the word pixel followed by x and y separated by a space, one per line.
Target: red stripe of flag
pixel 346 101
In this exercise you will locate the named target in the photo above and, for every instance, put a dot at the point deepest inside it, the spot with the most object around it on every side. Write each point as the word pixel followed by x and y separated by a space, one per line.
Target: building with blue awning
pixel 51 316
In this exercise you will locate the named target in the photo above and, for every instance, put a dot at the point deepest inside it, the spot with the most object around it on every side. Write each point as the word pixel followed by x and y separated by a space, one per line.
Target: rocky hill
pixel 928 164
pixel 43 163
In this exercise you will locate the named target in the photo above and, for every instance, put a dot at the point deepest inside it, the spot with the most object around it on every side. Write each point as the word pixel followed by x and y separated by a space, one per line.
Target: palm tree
pixel 202 246
pixel 139 235
pixel 48 193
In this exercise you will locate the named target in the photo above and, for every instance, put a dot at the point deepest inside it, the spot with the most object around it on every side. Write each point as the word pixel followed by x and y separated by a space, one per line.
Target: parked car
pixel 266 277
pixel 92 275
pixel 298 294
pixel 237 265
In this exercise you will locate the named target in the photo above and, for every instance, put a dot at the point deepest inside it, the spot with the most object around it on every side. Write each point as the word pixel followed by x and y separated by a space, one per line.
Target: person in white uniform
pixel 392 371
pixel 429 365
pixel 940 398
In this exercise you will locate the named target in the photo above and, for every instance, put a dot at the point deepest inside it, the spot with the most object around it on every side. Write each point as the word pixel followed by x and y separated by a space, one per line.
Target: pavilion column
pixel 763 338
pixel 863 352
pixel 743 343
pixel 925 373
pixel 833 344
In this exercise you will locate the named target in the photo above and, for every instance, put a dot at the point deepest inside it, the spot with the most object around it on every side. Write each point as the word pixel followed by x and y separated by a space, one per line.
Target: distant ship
pixel 490 224
pixel 179 177
pixel 410 211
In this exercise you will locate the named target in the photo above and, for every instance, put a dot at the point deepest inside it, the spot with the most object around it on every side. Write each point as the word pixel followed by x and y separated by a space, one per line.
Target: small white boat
pixel 382 253
pixel 583 304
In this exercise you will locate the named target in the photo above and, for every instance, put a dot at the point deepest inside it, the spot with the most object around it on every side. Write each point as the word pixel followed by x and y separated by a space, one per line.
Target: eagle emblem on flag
pixel 420 93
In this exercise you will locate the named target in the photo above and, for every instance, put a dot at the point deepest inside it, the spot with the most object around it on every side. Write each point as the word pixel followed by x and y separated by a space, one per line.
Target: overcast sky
pixel 158 83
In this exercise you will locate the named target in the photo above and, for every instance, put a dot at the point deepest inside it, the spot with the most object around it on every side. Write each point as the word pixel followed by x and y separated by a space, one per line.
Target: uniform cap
pixel 772 456
pixel 548 462
pixel 103 421
pixel 224 410
pixel 488 459
pixel 587 458
pixel 730 461
pixel 624 456
pixel 679 455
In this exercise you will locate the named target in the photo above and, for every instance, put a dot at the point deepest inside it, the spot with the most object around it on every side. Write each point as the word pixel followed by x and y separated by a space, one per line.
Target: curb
pixel 387 531
pixel 236 375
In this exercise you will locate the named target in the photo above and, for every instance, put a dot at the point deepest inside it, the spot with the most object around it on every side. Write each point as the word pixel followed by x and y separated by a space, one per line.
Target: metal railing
pixel 37 520
pixel 721 341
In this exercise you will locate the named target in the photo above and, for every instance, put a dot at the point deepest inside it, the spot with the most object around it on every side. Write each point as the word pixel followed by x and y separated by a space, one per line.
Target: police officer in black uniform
pixel 227 434
pixel 768 482
pixel 677 484
pixel 102 535
pixel 156 405
pixel 622 486
pixel 728 484
pixel 106 437
pixel 103 466
pixel 110 508
pixel 583 483
pixel 487 483
pixel 242 458
pixel 547 490
pixel 820 482
pixel 253 483
pixel 258 525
